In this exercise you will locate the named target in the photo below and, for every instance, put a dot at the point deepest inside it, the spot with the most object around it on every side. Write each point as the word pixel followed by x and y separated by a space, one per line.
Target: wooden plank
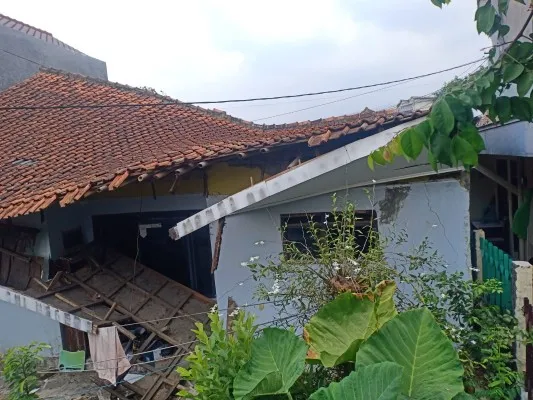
pixel 15 255
pixel 155 388
pixel 152 294
pixel 78 308
pixel 108 314
pixel 39 282
pixel 135 318
pixel 94 315
pixel 55 279
pixel 155 298
pixel 67 287
pixel 218 244
pixel 163 324
pixel 496 178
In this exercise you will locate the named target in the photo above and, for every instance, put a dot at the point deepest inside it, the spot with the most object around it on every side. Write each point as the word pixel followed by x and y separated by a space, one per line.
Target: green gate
pixel 497 264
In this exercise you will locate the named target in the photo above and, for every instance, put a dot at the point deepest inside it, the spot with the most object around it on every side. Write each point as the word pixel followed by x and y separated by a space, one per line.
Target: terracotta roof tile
pixel 66 154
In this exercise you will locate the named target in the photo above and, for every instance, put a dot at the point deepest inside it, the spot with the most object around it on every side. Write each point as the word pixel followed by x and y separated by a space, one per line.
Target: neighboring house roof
pixel 65 154
pixel 336 171
pixel 32 31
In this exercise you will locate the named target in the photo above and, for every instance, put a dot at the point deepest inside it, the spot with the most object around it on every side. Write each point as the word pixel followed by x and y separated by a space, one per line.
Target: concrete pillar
pixel 522 288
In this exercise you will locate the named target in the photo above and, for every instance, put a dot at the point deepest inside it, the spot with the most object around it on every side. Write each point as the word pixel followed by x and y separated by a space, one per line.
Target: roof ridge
pixel 152 93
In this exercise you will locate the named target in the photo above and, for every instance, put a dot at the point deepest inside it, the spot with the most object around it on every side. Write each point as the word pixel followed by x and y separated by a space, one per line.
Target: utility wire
pixel 162 104
pixel 347 98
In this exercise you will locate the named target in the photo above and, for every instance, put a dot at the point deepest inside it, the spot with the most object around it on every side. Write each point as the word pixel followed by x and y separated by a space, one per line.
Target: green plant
pixel 20 370
pixel 484 335
pixel 218 356
pixel 450 135
pixel 340 256
pixel 278 359
pixel 408 355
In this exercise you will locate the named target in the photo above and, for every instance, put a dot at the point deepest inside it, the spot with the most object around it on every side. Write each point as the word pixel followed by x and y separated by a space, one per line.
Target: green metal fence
pixel 497 264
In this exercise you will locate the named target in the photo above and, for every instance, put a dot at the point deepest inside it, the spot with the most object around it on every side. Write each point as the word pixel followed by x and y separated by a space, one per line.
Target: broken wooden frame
pixel 119 291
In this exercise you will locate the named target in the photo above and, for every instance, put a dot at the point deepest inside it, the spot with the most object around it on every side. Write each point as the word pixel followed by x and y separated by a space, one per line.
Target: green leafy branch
pixel 449 134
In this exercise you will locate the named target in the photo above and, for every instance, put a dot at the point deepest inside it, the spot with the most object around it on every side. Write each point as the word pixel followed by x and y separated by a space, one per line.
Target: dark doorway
pixel 145 237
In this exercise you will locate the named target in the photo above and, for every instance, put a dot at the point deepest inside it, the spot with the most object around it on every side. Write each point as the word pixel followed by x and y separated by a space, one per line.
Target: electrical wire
pixel 176 102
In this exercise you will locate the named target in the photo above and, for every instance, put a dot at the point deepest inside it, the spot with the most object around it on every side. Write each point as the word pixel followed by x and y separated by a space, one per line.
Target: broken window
pixel 297 229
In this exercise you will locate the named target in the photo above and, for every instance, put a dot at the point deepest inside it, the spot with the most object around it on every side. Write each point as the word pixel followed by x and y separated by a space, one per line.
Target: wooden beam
pixel 218 244
pixel 135 318
pixel 71 302
pixel 108 314
pixel 39 282
pixel 499 180
pixel 15 254
pixel 55 279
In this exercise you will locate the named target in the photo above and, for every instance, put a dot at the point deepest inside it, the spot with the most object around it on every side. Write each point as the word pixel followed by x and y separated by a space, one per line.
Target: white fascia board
pixel 39 307
pixel 311 169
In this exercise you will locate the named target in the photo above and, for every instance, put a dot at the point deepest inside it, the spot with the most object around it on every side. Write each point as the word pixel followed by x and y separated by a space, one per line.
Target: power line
pixel 162 104
pixel 23 58
pixel 347 98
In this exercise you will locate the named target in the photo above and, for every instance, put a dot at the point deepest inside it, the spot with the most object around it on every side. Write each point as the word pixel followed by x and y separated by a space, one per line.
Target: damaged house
pixel 96 175
pixel 128 212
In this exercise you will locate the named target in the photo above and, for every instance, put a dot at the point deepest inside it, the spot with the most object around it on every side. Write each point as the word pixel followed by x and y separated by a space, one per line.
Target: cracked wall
pixel 435 209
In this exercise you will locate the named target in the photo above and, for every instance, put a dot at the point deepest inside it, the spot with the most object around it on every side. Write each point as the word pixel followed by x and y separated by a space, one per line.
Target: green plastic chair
pixel 71 361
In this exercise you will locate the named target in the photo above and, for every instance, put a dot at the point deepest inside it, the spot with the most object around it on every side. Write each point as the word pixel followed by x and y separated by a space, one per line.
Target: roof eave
pixel 318 166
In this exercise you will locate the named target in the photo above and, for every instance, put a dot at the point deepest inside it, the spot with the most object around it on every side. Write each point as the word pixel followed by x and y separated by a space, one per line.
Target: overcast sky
pixel 214 49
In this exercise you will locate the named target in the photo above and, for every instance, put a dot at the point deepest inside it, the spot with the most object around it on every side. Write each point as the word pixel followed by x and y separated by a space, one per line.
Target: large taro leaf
pixel 413 339
pixel 385 307
pixel 337 330
pixel 277 360
pixel 381 381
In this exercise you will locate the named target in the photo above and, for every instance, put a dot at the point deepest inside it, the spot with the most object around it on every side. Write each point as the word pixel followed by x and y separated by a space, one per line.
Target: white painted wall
pixel 444 204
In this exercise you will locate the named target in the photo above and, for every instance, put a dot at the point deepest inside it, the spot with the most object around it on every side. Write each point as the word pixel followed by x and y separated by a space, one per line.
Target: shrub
pixel 218 356
pixel 20 370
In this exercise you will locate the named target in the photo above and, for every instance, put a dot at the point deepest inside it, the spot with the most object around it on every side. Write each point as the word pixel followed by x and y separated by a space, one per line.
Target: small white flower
pixel 244 264
pixel 474 269
pixel 335 264
pixel 326 216
pixel 336 268
pixel 214 309
pixel 275 287
pixel 348 277
pixel 353 262
pixel 254 258
pixel 357 270
pixel 453 329
pixel 473 341
pixel 325 222
pixel 443 295
pixel 235 312
pixel 259 243
pixel 348 247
